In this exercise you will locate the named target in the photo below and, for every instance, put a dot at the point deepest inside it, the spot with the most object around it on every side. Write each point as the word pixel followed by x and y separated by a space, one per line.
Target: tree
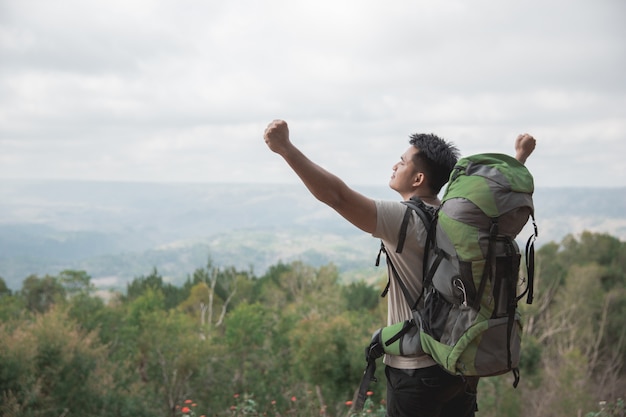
pixel 173 354
pixel 50 368
pixel 76 282
pixel 4 290
pixel 212 295
pixel 360 296
pixel 172 295
pixel 246 333
pixel 41 293
pixel 11 306
pixel 328 353
pixel 576 323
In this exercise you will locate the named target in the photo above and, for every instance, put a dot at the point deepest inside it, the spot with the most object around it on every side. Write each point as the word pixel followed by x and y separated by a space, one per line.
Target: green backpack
pixel 467 317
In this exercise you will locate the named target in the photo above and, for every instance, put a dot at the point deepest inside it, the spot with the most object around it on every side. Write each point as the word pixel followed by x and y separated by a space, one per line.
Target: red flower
pixel 188 401
pixel 293 398
pixel 185 410
pixel 236 396
pixel 348 403
pixel 370 393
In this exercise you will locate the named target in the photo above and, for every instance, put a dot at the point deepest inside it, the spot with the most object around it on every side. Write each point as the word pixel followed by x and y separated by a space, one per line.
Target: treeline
pixel 289 342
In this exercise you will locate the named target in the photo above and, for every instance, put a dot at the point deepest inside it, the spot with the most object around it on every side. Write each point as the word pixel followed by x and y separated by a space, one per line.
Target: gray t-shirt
pixel 409 266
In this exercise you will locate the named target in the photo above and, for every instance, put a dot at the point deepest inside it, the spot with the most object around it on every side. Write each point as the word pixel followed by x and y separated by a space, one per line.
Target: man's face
pixel 404 172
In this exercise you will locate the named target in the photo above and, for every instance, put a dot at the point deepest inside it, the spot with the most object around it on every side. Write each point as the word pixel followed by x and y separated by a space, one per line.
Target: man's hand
pixel 524 146
pixel 375 350
pixel 277 136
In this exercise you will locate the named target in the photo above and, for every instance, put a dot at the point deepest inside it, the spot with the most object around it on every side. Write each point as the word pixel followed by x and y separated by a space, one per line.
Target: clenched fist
pixel 524 146
pixel 277 136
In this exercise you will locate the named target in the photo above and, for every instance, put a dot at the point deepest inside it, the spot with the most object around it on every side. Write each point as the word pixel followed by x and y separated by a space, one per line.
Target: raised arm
pixel 524 146
pixel 326 187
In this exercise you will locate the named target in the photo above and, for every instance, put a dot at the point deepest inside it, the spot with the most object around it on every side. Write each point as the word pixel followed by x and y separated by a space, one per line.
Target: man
pixel 416 386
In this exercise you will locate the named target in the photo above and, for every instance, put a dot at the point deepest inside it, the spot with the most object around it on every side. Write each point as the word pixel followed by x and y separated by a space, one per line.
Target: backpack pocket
pixel 491 347
pixel 435 314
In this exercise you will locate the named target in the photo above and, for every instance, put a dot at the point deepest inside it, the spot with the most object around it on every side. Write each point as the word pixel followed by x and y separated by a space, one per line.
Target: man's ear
pixel 418 179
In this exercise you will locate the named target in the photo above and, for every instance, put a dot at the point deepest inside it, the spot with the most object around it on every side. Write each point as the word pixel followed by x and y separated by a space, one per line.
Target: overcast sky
pixel 138 90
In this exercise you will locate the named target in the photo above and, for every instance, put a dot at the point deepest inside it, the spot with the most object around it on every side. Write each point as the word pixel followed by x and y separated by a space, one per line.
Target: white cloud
pixel 182 90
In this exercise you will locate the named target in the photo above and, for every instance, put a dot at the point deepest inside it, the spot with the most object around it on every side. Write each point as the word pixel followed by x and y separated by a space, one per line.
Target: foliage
pixel 609 409
pixel 4 289
pixel 576 325
pixel 40 294
pixel 49 368
pixel 290 342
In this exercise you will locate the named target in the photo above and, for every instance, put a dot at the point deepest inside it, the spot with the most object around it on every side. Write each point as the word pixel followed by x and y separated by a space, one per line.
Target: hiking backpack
pixel 466 317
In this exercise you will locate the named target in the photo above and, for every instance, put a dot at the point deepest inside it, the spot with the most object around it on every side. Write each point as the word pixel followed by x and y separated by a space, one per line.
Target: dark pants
pixel 429 392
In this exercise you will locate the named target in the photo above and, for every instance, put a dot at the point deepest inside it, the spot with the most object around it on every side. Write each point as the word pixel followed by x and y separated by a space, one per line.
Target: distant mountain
pixel 117 231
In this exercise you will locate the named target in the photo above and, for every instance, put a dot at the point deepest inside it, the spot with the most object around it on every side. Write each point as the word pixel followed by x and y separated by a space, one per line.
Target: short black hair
pixel 436 158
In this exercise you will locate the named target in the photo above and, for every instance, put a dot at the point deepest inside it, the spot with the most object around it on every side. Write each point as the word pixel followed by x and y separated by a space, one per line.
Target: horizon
pixel 82 222
pixel 294 181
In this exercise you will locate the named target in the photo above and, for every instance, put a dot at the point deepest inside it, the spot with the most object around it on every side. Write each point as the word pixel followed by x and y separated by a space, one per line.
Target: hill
pixel 118 231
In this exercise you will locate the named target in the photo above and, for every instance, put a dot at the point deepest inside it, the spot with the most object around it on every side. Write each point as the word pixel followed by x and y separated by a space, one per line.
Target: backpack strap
pixel 530 270
pixel 488 275
pixel 488 272
pixel 377 263
pixel 395 274
pixel 428 216
pixel 424 212
pixel 361 393
pixel 530 264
